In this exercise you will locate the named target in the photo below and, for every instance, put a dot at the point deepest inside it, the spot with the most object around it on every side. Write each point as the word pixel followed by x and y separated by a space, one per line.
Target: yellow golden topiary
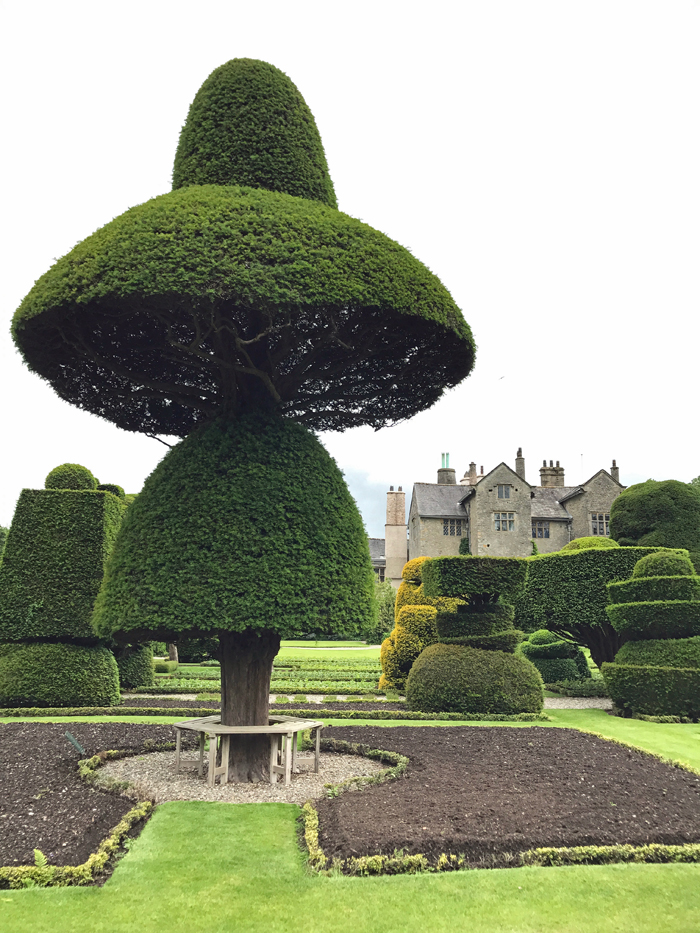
pixel 419 621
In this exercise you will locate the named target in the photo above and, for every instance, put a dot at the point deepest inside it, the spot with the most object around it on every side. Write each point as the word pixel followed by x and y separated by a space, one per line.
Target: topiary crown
pixel 70 476
pixel 664 564
pixel 579 544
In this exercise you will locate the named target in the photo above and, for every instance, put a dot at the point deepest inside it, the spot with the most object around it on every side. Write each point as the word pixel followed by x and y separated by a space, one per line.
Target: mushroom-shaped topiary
pixel 70 476
pixel 239 301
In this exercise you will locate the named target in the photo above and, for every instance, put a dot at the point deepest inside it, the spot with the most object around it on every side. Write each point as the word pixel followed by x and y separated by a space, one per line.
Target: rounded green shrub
pixel 579 544
pixel 55 674
pixel 135 663
pixel 543 637
pixel 70 476
pixel 654 691
pixel 246 525
pixel 555 658
pixel 249 125
pixel 665 563
pixel 459 679
pixel 113 488
pixel 661 652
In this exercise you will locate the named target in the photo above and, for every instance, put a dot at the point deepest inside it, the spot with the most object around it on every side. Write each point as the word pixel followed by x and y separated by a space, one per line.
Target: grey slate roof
pixel 546 501
pixel 434 500
pixel 377 550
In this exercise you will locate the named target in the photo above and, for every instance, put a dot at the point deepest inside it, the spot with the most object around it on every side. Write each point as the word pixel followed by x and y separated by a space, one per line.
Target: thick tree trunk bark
pixel 172 652
pixel 246 669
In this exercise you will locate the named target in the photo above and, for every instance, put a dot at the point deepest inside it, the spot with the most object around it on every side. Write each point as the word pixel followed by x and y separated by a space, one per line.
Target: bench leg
pixel 295 767
pixel 288 759
pixel 211 777
pixel 201 754
pixel 225 743
pixel 273 757
pixel 177 751
pixel 318 749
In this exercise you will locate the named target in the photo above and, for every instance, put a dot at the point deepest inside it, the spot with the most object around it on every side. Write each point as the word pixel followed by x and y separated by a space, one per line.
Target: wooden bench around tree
pixel 284 736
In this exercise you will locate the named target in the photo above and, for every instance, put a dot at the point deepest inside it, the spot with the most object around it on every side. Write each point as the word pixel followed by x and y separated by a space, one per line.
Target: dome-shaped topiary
pixel 113 488
pixel 579 544
pixel 70 476
pixel 664 564
pixel 459 679
pixel 249 125
pixel 543 637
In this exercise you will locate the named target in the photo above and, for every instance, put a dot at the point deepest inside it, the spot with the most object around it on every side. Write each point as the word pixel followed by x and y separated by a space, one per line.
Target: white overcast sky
pixel 542 158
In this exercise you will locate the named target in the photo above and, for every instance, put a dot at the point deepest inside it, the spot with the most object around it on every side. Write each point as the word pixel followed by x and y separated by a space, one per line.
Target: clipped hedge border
pixel 284 686
pixel 59 876
pixel 33 712
pixel 397 863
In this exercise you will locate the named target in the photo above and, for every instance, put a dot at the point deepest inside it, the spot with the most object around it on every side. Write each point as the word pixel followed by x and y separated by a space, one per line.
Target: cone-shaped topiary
pixel 70 476
pixel 473 667
pixel 225 300
pixel 657 672
pixel 249 125
pixel 555 658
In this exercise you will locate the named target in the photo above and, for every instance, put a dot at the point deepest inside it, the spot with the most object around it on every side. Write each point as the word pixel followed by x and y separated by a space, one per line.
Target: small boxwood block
pixel 556 669
pixel 654 691
pixel 488 619
pixel 458 679
pixel 48 674
pixel 655 589
pixel 679 619
pixel 460 577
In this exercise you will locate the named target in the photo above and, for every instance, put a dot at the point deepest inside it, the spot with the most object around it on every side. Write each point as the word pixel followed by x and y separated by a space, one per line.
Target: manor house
pixel 499 513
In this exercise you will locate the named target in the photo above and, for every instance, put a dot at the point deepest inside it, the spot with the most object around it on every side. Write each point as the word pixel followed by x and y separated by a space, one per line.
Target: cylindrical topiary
pixel 135 663
pixel 480 672
pixel 58 674
pixel 555 658
pixel 412 631
pixel 657 672
pixel 459 679
pixel 70 476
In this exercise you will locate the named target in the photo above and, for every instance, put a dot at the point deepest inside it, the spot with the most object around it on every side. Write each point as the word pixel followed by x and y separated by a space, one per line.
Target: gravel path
pixel 154 777
pixel 577 703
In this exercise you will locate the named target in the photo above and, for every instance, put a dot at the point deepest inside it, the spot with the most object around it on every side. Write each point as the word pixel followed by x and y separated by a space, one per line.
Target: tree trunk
pixel 172 652
pixel 246 669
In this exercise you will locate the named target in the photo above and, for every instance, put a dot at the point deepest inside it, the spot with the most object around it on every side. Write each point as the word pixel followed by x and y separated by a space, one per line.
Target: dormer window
pixel 504 492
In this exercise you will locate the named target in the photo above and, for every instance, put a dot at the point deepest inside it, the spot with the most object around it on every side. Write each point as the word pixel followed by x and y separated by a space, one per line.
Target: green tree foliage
pixel 253 520
pixel 555 658
pixel 385 595
pixel 70 476
pixel 135 663
pixel 473 668
pixel 3 538
pixel 578 544
pixel 566 593
pixel 658 514
pixel 657 672
pixel 249 125
pixel 243 302
pixel 57 674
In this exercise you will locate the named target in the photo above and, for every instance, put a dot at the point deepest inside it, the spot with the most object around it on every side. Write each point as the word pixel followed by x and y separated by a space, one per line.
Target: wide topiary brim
pixel 155 321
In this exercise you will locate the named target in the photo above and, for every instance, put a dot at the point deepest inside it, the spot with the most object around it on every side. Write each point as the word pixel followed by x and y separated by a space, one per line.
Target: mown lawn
pixel 219 867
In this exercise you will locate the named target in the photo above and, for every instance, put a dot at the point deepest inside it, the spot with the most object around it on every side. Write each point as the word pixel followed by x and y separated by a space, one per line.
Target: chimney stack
pixel 551 475
pixel 615 471
pixel 520 464
pixel 446 475
pixel 395 543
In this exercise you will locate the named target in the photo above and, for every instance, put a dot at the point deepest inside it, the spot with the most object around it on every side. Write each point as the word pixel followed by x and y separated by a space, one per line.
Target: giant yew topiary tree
pixel 242 311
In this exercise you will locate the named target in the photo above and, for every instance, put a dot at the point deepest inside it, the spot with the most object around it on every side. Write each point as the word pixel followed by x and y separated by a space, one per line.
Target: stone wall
pixel 485 540
pixel 599 495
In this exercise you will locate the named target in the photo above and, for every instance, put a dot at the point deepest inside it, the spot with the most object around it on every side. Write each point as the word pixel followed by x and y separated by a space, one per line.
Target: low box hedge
pixel 654 691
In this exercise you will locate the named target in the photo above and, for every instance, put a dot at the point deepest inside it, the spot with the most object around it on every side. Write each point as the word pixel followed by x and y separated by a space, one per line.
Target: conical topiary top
pixel 249 125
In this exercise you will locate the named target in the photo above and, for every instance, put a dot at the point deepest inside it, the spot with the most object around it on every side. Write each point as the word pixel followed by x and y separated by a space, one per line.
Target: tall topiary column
pixel 50 575
pixel 657 671
pixel 473 667
pixel 243 311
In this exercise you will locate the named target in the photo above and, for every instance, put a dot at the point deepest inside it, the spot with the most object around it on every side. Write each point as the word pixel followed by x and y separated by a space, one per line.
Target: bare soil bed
pixel 487 791
pixel 44 804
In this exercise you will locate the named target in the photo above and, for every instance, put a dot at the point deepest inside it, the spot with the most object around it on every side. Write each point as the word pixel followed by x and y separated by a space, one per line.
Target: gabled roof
pixel 377 549
pixel 434 500
pixel 482 479
pixel 546 502
pixel 605 472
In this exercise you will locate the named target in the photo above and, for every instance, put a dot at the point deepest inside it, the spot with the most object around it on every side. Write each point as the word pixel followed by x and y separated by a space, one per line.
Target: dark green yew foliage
pixel 657 672
pixel 578 544
pixel 70 476
pixel 116 490
pixel 53 564
pixel 135 663
pixel 658 514
pixel 57 674
pixel 555 658
pixel 249 125
pixel 245 525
